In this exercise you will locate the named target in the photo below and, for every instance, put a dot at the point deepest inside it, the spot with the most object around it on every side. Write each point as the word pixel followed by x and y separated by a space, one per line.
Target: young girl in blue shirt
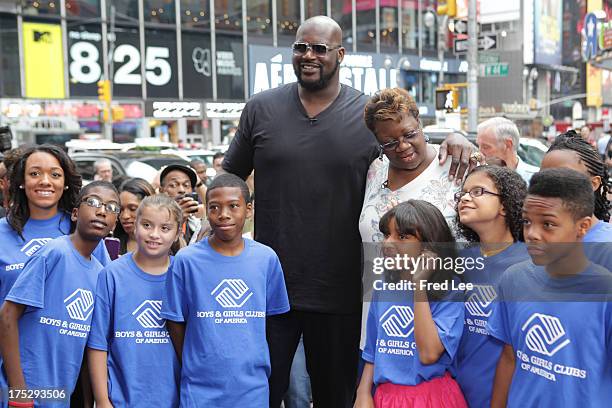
pixel 131 359
pixel 489 214
pixel 44 186
pixel 413 334
pixel 46 317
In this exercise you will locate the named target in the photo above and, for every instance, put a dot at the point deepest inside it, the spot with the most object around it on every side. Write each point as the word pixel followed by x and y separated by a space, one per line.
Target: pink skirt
pixel 439 392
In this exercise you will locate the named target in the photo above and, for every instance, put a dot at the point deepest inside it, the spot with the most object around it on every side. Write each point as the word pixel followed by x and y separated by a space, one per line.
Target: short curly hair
pixel 512 191
pixel 389 104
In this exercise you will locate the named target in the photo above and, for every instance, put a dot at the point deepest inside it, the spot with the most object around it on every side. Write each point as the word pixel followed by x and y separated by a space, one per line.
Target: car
pixel 438 134
pixel 202 154
pixel 531 151
pixel 132 164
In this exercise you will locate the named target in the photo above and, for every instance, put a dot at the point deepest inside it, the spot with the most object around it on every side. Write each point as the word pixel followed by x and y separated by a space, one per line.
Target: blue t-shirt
pixel 143 370
pixel 560 330
pixel 58 289
pixel 223 301
pixel 390 343
pixel 600 232
pixel 478 352
pixel 15 251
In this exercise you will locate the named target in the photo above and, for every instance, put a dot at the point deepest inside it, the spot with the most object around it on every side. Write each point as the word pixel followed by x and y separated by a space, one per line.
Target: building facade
pixel 182 70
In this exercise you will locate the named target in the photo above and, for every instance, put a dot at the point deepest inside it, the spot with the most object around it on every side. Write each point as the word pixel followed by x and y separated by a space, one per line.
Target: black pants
pixel 331 345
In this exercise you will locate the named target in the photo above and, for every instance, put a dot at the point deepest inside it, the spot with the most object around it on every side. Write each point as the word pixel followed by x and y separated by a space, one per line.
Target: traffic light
pixel 104 91
pixel 448 7
pixel 447 99
pixel 118 113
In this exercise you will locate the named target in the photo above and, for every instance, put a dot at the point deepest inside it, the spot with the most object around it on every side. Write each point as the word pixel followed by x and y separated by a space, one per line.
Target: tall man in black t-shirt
pixel 311 151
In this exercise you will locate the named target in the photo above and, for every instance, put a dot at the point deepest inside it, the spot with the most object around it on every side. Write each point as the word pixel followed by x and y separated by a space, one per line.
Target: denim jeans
pixel 298 395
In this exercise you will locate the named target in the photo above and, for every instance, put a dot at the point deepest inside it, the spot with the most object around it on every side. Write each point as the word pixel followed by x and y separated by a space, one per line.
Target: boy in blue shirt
pixel 554 314
pixel 45 320
pixel 218 294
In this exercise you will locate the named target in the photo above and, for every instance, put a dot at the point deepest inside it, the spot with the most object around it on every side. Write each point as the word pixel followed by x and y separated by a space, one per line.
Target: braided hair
pixel 591 158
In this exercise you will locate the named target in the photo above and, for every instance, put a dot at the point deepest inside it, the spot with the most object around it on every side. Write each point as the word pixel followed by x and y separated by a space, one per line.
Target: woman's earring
pixel 21 187
pixel 426 138
pixel 380 155
pixel 66 188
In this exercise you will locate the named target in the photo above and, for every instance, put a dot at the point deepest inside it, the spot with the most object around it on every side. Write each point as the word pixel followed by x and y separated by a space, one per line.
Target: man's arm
pixel 460 150
pixel 98 372
pixel 9 343
pixel 503 377
pixel 177 335
pixel 238 159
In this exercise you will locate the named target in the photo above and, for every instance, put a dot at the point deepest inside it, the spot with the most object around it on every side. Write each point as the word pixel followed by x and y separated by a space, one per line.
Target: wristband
pixel 21 404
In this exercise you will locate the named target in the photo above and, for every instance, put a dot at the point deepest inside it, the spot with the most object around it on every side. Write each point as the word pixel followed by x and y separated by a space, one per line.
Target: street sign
pixel 461 27
pixel 488 58
pixel 493 70
pixel 485 42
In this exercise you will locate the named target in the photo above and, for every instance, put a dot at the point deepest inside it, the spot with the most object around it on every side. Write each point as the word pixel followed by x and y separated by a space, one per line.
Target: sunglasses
pixel 320 50
pixel 94 202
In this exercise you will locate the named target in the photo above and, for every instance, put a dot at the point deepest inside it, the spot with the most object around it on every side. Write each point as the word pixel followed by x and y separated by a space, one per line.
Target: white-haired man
pixel 499 138
pixel 103 170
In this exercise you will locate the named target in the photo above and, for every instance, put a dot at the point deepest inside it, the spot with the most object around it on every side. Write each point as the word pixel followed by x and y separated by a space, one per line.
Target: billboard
pixel 43 61
pixel 548 26
pixel 271 67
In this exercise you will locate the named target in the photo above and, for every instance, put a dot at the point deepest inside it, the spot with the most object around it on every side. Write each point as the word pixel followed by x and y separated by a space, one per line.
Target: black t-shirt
pixel 309 182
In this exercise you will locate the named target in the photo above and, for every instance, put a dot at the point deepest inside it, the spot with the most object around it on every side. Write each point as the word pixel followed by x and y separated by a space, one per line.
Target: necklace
pixel 492 252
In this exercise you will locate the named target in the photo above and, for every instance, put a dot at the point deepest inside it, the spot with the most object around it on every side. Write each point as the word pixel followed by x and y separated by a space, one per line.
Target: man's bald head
pixel 321 24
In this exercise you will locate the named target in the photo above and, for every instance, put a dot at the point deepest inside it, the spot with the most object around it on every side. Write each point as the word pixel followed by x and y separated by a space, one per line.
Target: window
pixel 259 19
pixel 41 7
pixel 366 26
pixel 388 26
pixel 83 8
pixel 314 8
pixel 159 11
pixel 410 26
pixel 228 15
pixel 9 61
pixel 195 14
pixel 341 12
pixel 288 20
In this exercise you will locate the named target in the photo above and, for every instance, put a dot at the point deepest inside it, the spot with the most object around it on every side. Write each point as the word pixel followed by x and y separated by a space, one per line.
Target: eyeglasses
pixel 94 202
pixel 407 138
pixel 320 50
pixel 475 192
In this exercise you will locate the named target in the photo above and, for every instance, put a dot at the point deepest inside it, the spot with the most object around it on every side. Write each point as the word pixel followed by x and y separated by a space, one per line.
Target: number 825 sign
pixel 85 66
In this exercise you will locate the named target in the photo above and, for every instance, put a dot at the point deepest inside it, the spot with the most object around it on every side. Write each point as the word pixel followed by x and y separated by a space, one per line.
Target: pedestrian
pixel 489 208
pixel 131 193
pixel 499 138
pixel 179 182
pixel 218 162
pixel 413 335
pixel 218 294
pixel 45 318
pixel 571 151
pixel 127 369
pixel 103 170
pixel 44 188
pixel 311 152
pixel 553 313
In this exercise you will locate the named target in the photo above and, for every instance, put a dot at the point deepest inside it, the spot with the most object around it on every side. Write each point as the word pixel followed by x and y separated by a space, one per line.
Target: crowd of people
pixel 138 294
